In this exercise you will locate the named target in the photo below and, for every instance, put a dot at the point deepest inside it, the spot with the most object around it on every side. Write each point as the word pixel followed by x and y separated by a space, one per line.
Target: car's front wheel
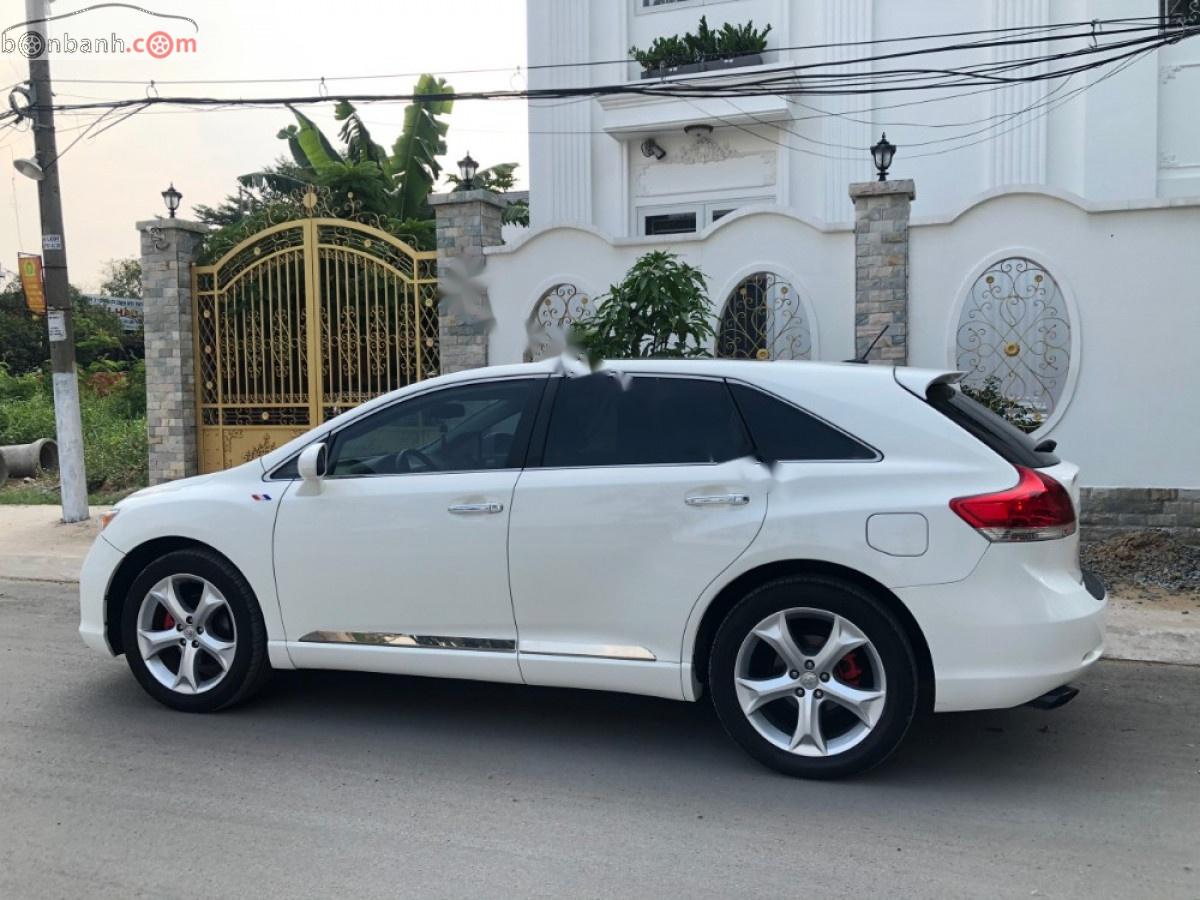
pixel 193 633
pixel 813 676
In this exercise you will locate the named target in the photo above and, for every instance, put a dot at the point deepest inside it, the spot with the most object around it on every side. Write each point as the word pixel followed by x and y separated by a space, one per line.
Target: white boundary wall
pixel 1131 276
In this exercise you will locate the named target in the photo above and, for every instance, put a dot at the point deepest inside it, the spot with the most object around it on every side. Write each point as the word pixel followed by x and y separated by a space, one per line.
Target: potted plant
pixel 738 45
pixel 666 56
pixel 704 50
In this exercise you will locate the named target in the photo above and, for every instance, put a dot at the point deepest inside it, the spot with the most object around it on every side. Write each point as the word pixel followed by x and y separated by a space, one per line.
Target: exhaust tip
pixel 1060 696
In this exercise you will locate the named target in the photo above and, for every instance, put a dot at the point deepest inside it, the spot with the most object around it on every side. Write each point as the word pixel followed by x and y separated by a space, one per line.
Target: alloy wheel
pixel 810 682
pixel 186 634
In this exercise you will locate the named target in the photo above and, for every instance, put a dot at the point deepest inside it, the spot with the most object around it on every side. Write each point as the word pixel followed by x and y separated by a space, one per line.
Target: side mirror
pixel 311 464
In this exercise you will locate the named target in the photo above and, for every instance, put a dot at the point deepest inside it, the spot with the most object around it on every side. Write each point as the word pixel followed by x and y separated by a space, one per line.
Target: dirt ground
pixel 1148 568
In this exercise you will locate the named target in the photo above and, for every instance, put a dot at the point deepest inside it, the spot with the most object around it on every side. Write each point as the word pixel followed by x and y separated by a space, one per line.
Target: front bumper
pixel 1010 632
pixel 98 569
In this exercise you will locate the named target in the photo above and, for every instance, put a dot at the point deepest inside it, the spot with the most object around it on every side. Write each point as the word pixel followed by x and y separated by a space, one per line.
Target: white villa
pixel 1054 239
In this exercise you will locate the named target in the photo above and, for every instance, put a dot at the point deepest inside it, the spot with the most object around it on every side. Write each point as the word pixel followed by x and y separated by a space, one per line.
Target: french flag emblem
pixel 259 497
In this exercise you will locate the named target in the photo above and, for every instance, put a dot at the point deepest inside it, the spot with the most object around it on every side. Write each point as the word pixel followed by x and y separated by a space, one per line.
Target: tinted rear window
pixel 1009 441
pixel 600 421
pixel 782 432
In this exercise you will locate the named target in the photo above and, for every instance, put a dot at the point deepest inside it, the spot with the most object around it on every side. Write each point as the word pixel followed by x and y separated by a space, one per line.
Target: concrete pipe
pixel 3 470
pixel 30 460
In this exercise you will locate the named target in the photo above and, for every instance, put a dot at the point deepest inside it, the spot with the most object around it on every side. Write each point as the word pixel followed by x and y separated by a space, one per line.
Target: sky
pixel 113 179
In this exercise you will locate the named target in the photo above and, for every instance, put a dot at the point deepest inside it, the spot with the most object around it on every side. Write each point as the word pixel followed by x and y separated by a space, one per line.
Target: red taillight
pixel 1037 509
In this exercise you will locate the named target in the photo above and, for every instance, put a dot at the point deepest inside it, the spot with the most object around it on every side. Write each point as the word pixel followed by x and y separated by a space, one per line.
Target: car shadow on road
pixel 552 735
pixel 505 721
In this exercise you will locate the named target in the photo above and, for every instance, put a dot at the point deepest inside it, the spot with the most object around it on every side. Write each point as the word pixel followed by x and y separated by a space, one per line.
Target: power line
pixel 788 82
pixel 781 81
pixel 1062 101
pixel 1150 23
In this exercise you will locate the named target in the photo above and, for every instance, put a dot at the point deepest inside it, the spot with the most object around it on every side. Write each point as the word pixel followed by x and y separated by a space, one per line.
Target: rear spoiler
pixel 919 381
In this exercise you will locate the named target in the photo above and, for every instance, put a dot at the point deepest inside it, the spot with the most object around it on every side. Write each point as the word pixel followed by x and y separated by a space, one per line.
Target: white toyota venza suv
pixel 825 550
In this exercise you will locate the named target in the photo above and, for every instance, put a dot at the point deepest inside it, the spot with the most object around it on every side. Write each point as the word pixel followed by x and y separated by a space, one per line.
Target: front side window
pixel 605 420
pixel 469 428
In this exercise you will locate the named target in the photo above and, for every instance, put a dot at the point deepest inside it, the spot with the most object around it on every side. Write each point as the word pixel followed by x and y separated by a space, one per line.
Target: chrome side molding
pixel 487 645
pixel 410 641
pixel 595 651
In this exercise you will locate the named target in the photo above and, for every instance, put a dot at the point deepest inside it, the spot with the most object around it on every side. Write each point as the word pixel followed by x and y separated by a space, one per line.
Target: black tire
pixel 861 608
pixel 249 669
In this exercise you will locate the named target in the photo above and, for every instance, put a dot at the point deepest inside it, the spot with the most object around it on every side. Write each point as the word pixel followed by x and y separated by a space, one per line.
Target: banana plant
pixel 414 160
pixel 396 185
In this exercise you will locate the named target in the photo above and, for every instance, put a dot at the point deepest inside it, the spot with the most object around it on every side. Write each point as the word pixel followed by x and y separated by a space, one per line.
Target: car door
pixel 644 492
pixel 396 560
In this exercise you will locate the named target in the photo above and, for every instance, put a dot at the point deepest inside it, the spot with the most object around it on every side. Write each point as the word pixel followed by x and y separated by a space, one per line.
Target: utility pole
pixel 58 299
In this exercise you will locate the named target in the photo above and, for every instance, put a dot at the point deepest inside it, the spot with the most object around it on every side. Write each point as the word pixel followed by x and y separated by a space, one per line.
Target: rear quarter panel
pixel 819 510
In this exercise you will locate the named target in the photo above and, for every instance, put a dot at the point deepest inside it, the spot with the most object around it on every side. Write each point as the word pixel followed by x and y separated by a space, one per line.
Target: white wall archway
pixel 558 303
pixel 779 335
pixel 1018 340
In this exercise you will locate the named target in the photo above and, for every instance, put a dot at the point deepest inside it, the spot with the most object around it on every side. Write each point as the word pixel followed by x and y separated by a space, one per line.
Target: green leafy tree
pixel 24 346
pixel 122 278
pixel 500 178
pixel 396 185
pixel 659 309
pixel 274 186
pixel 362 179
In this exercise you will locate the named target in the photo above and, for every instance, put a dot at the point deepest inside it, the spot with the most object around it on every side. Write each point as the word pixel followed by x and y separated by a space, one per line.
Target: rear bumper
pixel 98 569
pixel 1010 632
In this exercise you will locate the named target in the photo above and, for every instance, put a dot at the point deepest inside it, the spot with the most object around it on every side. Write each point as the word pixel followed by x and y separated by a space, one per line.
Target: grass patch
pixel 45 492
pixel 113 413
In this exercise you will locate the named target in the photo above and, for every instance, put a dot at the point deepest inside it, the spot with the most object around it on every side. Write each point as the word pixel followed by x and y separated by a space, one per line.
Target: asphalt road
pixel 334 785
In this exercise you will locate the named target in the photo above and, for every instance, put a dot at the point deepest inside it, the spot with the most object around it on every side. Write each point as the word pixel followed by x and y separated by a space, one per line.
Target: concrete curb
pixel 1146 634
pixel 36 545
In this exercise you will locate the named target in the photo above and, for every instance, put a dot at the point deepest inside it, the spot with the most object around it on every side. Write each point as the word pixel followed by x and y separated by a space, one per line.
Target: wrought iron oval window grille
pixel 559 307
pixel 764 318
pixel 1014 338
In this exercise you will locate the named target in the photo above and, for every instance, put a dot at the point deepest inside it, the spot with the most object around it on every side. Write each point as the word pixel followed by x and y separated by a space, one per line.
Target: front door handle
pixel 476 509
pixel 719 500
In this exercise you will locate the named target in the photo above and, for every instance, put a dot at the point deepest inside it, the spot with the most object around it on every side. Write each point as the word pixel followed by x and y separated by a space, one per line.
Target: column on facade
pixel 467 222
pixel 846 28
pixel 1018 154
pixel 881 219
pixel 168 248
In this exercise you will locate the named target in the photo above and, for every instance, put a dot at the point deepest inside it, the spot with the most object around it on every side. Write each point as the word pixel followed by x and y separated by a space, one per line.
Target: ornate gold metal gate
pixel 302 321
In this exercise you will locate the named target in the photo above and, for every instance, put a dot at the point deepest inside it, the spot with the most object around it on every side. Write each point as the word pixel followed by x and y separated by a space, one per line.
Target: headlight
pixel 106 518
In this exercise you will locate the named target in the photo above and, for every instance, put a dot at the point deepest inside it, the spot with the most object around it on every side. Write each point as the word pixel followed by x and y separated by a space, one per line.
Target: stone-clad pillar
pixel 467 221
pixel 168 248
pixel 881 215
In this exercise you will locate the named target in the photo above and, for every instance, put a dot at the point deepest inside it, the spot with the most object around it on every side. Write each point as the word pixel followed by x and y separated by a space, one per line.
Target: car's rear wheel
pixel 193 633
pixel 813 676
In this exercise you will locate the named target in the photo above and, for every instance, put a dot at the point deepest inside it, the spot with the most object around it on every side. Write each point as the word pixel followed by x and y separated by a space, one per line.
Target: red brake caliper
pixel 848 670
pixel 168 620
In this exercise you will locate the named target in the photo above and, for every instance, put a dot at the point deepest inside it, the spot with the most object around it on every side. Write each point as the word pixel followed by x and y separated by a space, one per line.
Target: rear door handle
pixel 476 509
pixel 719 500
